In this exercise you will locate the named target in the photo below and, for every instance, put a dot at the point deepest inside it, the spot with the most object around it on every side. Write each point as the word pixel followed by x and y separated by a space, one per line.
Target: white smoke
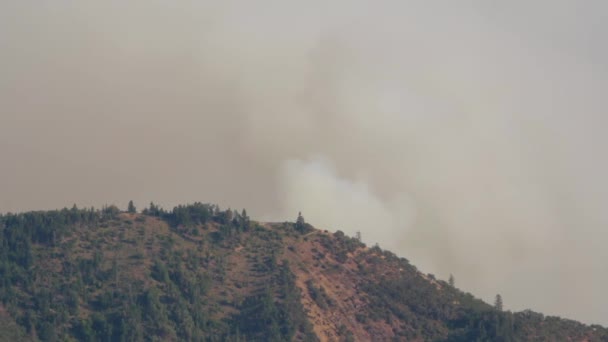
pixel 467 138
pixel 331 202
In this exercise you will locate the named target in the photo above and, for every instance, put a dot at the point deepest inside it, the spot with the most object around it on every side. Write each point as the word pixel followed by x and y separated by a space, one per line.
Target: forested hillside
pixel 199 273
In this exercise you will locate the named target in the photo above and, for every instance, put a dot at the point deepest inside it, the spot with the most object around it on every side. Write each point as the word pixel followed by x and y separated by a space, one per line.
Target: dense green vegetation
pixel 99 275
pixel 199 273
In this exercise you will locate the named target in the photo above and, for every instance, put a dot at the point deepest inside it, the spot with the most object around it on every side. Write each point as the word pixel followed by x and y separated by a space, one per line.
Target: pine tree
pixel 245 222
pixel 451 281
pixel 153 209
pixel 131 208
pixel 498 302
pixel 300 223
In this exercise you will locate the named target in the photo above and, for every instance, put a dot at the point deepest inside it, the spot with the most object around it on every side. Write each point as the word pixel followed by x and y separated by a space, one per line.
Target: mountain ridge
pixel 200 273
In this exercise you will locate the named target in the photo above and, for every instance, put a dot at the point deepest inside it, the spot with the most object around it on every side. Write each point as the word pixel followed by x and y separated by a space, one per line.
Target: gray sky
pixel 468 138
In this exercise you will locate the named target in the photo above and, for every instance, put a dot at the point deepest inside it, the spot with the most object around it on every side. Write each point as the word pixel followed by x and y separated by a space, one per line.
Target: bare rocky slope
pixel 198 273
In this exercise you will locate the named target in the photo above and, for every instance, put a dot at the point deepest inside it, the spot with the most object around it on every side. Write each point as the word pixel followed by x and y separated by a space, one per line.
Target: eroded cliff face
pixel 334 274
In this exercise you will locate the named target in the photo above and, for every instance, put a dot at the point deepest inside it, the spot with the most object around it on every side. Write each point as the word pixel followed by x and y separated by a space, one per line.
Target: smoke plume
pixel 467 138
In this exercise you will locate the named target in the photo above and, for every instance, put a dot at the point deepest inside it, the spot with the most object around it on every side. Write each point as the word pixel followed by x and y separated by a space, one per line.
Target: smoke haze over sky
pixel 466 137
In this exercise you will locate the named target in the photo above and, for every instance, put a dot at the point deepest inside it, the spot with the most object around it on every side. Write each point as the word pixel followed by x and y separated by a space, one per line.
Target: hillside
pixel 198 273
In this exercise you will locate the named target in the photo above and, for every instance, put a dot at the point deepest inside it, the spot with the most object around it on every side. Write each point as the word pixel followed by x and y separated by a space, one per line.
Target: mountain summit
pixel 199 273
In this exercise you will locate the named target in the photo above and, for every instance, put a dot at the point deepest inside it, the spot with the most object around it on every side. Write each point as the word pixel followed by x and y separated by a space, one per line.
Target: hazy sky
pixel 469 138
